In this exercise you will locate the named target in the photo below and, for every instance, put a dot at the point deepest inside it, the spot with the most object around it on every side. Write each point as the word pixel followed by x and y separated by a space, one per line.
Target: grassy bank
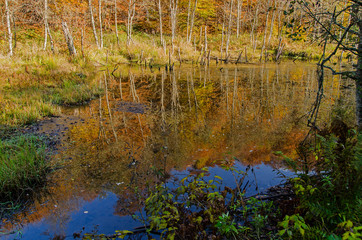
pixel 23 166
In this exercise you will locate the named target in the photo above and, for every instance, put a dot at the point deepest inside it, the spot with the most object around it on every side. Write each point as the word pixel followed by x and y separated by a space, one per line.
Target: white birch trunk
pixel 240 3
pixel 10 34
pixel 192 21
pixel 130 16
pixel 272 22
pixel 93 24
pixel 188 21
pixel 173 19
pixel 69 39
pixel 265 30
pixel 116 20
pixel 161 31
pixel 45 24
pixel 100 23
pixel 229 28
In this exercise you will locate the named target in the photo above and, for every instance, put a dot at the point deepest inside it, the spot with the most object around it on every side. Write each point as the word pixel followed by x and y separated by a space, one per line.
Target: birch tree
pixel 229 28
pixel 8 25
pixel 68 39
pixel 130 15
pixel 239 6
pixel 47 29
pixel 100 23
pixel 173 21
pixel 160 17
pixel 265 30
pixel 116 20
pixel 92 22
pixel 192 20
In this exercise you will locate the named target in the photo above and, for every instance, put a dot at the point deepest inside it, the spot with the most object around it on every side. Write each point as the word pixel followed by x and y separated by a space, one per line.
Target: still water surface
pixel 150 121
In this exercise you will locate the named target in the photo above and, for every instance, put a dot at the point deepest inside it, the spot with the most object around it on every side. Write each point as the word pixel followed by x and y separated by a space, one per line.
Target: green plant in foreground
pixel 226 226
pixel 330 199
pixel 22 165
pixel 199 208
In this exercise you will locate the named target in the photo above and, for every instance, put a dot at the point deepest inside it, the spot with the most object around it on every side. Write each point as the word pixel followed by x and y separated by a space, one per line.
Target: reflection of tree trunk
pixel 120 85
pixel 133 88
pixel 109 109
pixel 68 39
pixel 174 93
pixel 163 97
pixel 10 34
pixel 188 91
pixel 101 127
pixel 227 89
pixel 234 95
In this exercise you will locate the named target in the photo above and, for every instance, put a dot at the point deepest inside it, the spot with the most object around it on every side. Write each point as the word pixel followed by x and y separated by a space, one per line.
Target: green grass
pixel 23 165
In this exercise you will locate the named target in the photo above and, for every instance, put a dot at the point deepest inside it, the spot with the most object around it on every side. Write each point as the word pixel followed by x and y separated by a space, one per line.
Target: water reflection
pixel 148 122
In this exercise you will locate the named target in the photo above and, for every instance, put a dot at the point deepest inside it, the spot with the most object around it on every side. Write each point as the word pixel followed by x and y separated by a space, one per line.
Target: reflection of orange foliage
pixel 114 150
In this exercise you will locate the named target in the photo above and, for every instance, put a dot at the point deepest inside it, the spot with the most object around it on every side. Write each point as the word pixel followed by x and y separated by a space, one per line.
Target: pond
pixel 151 122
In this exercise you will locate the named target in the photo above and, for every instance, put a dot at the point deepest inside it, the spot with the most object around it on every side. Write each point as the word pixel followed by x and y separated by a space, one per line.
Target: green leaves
pixel 292 225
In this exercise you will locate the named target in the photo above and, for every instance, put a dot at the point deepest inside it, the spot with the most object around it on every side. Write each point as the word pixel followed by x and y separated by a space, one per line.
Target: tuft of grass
pixel 23 165
pixel 21 111
pixel 74 92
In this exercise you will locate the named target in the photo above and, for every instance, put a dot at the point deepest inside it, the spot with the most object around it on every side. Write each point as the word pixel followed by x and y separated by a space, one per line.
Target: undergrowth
pixel 23 166
pixel 330 196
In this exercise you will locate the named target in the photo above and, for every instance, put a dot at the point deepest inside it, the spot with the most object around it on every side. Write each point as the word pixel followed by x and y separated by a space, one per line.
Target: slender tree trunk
pixel 192 21
pixel 272 22
pixel 161 33
pixel 205 38
pixel 254 26
pixel 69 39
pixel 14 30
pixel 358 16
pixel 45 24
pixel 116 20
pixel 100 23
pixel 188 21
pixel 222 39
pixel 130 16
pixel 173 19
pixel 240 3
pixel 229 28
pixel 8 25
pixel 93 24
pixel 265 30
